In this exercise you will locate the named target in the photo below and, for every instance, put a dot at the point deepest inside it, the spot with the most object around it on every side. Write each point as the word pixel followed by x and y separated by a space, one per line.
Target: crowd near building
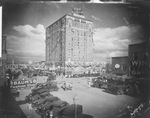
pixel 69 40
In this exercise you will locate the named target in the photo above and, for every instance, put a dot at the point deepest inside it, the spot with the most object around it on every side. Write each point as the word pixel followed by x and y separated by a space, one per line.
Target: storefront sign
pixel 22 83
pixel 138 68
pixel 138 63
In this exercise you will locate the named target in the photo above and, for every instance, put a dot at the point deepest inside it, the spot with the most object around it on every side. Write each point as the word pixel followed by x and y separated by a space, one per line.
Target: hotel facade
pixel 69 41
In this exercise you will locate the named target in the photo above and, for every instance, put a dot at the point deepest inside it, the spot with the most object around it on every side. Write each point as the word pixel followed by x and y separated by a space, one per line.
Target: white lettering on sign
pixel 25 81
pixel 137 72
pixel 138 63
pixel 22 83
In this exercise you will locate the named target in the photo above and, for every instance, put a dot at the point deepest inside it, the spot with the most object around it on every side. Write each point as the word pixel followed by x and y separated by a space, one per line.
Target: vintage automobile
pixel 43 108
pixel 60 104
pixel 50 85
pixel 45 94
pixel 55 112
pixel 34 91
pixel 116 89
pixel 52 98
pixel 110 85
pixel 70 110
pixel 35 97
pixel 43 90
pixel 38 102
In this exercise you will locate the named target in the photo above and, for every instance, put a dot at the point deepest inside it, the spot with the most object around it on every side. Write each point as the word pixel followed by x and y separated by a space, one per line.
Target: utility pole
pixel 74 100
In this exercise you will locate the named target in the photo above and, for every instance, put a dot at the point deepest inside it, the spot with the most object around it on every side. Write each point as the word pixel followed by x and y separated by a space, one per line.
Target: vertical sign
pixel 0 31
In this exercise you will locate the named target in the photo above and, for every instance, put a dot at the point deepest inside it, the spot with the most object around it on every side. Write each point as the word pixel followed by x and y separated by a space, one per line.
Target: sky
pixel 115 26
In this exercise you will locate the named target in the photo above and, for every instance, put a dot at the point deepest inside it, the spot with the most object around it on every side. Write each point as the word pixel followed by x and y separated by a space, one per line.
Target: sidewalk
pixel 8 105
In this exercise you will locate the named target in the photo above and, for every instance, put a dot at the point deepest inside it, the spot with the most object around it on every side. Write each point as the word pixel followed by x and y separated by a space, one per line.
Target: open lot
pixel 95 101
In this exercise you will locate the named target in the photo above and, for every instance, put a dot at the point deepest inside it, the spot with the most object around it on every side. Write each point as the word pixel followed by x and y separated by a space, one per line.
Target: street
pixel 95 101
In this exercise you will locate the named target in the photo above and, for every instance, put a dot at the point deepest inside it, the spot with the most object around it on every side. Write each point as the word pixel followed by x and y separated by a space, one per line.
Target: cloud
pixel 111 42
pixel 28 30
pixel 32 40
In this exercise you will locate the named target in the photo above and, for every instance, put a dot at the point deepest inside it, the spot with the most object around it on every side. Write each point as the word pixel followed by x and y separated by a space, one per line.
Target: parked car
pixel 38 102
pixel 60 104
pixel 116 89
pixel 42 91
pixel 52 98
pixel 34 91
pixel 35 97
pixel 69 110
pixel 28 98
pixel 45 94
pixel 43 108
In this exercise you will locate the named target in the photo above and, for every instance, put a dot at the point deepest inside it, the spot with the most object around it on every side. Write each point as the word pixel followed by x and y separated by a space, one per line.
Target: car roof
pixel 42 90
pixel 58 103
pixel 39 100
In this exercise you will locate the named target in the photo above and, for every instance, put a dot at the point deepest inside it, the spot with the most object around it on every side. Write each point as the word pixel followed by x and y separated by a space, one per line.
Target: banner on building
pixel 22 83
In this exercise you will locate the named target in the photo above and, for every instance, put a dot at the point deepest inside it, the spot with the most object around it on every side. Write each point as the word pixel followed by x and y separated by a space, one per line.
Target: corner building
pixel 138 60
pixel 69 40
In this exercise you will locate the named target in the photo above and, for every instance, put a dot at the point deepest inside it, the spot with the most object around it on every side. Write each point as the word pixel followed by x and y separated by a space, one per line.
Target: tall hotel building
pixel 70 40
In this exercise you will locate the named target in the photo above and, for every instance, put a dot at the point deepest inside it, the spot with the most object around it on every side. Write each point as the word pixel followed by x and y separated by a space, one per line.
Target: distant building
pixel 108 65
pixel 69 40
pixel 120 65
pixel 3 62
pixel 138 60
